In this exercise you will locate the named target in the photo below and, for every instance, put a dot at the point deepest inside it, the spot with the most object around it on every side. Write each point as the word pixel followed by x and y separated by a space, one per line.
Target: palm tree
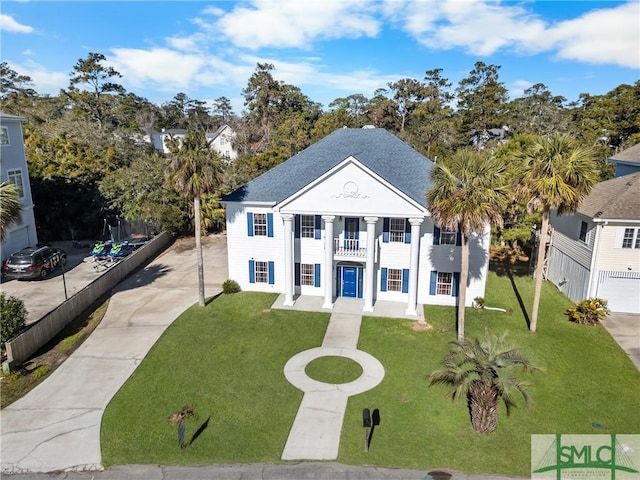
pixel 483 373
pixel 469 191
pixel 10 208
pixel 556 174
pixel 194 170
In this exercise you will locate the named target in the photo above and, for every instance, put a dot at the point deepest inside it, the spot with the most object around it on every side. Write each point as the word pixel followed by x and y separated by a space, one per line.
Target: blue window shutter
pixel 358 229
pixel 250 224
pixel 385 230
pixel 405 280
pixel 383 279
pixel 455 285
pixel 436 235
pixel 296 226
pixel 269 224
pixel 252 271
pixel 433 282
pixel 459 236
pixel 296 280
pixel 271 267
pixel 316 275
pixel 407 231
pixel 318 227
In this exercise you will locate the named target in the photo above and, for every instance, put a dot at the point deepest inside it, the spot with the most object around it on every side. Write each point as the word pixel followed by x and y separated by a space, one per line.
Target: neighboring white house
pixel 627 161
pixel 347 217
pixel 13 163
pixel 596 251
pixel 220 140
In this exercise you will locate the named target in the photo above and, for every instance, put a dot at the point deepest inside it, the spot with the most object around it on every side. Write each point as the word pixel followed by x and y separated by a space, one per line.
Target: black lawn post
pixel 366 423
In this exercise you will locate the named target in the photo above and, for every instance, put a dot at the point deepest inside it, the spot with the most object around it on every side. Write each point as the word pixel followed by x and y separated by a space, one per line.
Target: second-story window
pixel 260 224
pixel 396 230
pixel 447 237
pixel 4 136
pixel 307 226
pixel 584 229
pixel 15 177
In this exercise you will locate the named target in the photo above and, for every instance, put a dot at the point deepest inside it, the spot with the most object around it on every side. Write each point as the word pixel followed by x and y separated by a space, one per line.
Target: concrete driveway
pixel 625 330
pixel 57 425
pixel 42 296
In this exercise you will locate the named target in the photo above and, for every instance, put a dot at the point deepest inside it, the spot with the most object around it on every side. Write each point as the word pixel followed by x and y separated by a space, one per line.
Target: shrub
pixel 13 316
pixel 589 311
pixel 479 302
pixel 230 286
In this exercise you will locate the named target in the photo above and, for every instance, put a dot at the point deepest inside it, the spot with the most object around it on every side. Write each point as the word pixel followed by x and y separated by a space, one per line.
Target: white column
pixel 288 259
pixel 370 265
pixel 328 260
pixel 412 304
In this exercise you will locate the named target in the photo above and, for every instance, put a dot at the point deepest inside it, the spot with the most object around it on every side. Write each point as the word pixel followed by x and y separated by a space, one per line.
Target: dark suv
pixel 34 262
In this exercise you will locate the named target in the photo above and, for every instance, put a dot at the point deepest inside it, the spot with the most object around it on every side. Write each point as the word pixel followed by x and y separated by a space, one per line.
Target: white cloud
pixel 8 24
pixel 517 88
pixel 46 82
pixel 295 23
pixel 477 26
pixel 481 27
pixel 167 69
pixel 603 36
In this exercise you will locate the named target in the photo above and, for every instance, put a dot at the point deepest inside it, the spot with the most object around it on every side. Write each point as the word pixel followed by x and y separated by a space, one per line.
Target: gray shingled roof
pixel 616 199
pixel 630 155
pixel 380 151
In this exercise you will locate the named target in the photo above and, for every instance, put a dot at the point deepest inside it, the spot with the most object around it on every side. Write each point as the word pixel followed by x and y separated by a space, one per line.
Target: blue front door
pixel 349 281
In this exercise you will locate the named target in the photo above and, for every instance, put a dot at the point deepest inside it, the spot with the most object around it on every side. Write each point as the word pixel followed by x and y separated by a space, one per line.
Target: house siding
pixel 13 156
pixel 571 277
pixel 612 258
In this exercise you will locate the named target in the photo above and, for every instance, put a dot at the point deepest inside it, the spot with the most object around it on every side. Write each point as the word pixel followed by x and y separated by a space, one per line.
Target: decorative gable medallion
pixel 350 190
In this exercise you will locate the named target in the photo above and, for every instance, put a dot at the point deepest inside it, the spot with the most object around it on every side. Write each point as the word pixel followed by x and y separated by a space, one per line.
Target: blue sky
pixel 328 48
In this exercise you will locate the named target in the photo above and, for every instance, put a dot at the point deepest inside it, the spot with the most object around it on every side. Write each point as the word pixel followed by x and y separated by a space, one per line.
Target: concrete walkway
pixel 315 434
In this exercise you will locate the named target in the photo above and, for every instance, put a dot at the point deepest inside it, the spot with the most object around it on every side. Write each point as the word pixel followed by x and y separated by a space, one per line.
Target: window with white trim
pixel 15 177
pixel 260 224
pixel 4 136
pixel 307 227
pixel 307 274
pixel 394 280
pixel 444 283
pixel 396 230
pixel 631 238
pixel 448 237
pixel 262 272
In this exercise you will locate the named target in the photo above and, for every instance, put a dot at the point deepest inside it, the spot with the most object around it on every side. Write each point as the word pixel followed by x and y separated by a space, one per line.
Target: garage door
pixel 621 290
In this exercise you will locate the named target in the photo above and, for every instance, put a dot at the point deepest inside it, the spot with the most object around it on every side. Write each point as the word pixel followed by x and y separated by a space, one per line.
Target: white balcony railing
pixel 349 248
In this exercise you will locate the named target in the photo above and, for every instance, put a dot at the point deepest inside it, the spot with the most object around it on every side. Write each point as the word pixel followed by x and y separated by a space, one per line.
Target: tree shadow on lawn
pixel 504 264
pixel 198 432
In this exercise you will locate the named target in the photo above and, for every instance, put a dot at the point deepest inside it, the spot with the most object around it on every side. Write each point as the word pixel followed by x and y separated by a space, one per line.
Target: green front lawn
pixel 226 360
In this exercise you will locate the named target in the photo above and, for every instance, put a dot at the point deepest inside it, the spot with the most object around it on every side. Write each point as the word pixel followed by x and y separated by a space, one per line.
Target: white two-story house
pixel 220 141
pixel 596 251
pixel 347 217
pixel 13 168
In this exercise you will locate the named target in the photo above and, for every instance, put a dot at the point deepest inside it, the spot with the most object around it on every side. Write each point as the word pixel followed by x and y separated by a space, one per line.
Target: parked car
pixel 34 262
